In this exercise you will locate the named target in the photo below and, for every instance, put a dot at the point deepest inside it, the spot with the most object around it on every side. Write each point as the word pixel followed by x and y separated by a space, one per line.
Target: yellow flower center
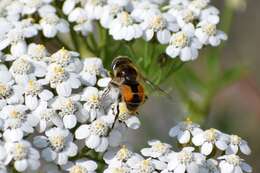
pixel 179 39
pixel 119 170
pixel 20 151
pixel 97 2
pixel 234 139
pixel 185 157
pixel 21 66
pixel 92 69
pixel 58 75
pixel 126 19
pixel 62 57
pixel 5 91
pixel 233 159
pixel 98 127
pixel 160 147
pixel 33 88
pixel 57 142
pixel 124 113
pixel 200 4
pixel 146 166
pixel 210 29
pixel 78 169
pixel 123 154
pixel 68 107
pixel 39 52
pixel 158 23
pixel 211 135
pixel 188 16
pixel 15 114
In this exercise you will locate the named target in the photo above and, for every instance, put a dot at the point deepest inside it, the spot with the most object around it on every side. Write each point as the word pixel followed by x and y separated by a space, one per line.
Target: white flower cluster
pixel 199 153
pixel 51 108
pixel 184 26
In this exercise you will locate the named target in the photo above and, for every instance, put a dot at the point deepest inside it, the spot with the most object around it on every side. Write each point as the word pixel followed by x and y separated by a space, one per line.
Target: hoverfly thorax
pixel 124 69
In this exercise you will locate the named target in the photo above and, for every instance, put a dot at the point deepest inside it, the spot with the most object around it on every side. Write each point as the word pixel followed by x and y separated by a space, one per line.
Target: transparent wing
pixel 155 87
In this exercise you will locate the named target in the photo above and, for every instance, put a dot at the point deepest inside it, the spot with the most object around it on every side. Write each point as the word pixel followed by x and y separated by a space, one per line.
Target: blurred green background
pixel 235 108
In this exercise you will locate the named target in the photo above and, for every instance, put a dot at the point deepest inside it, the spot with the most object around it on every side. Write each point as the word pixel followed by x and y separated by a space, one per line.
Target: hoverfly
pixel 128 80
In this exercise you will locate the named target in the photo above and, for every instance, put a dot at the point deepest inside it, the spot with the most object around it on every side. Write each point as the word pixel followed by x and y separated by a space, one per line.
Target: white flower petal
pixel 69 121
pixel 82 132
pixel 206 148
pixel 184 137
pixel 245 148
pixel 48 154
pixel 103 145
pixel 174 131
pixel 198 139
pixel 133 122
pixel 21 165
pixel 93 141
pixel 64 89
pixel 221 145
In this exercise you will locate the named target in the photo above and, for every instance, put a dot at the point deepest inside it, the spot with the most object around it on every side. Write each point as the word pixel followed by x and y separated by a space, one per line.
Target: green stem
pixel 130 50
pixel 93 41
pixel 73 35
pixel 63 44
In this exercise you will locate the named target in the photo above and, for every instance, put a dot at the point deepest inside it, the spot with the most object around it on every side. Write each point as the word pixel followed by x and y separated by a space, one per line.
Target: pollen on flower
pixel 5 91
pixel 123 154
pixel 115 9
pixel 199 4
pixel 20 151
pixel 235 140
pixel 179 39
pixel 98 2
pixel 210 29
pixel 50 18
pixel 92 69
pixel 160 147
pixel 188 16
pixel 58 75
pixel 21 66
pixel 158 23
pixel 15 114
pixel 57 142
pixel 211 135
pixel 99 127
pixel 15 35
pixel 39 52
pixel 126 19
pixel 68 107
pixel 124 113
pixel 119 170
pixel 146 166
pixel 78 169
pixel 47 114
pixel 33 88
pixel 94 101
pixel 233 159
pixel 185 157
pixel 62 57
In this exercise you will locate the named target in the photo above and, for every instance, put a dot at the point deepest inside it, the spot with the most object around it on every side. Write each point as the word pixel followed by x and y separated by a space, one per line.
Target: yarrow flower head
pixel 233 163
pixel 185 160
pixel 208 139
pixel 25 157
pixel 57 145
pixel 184 131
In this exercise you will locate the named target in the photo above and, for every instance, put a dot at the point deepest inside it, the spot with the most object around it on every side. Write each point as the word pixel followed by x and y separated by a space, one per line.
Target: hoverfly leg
pixel 116 116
